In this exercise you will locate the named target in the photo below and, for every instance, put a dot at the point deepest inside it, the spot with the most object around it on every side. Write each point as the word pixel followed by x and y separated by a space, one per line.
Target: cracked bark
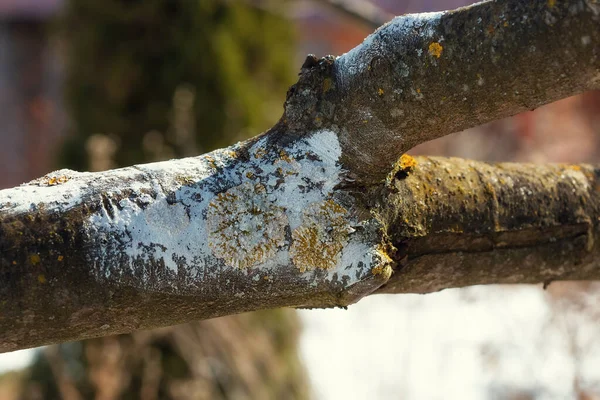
pixel 85 255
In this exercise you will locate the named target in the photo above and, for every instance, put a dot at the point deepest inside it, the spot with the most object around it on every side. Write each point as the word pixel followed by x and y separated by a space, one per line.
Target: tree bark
pixel 424 76
pixel 314 212
pixel 250 227
pixel 458 223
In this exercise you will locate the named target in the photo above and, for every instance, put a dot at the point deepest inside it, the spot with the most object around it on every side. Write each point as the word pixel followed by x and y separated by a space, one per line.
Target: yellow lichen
pixel 435 49
pixel 41 278
pixel 378 270
pixel 317 243
pixel 551 3
pixel 260 153
pixel 212 162
pixel 34 259
pixel 60 258
pixel 184 180
pixel 287 164
pixel 407 162
pixel 55 180
pixel 384 267
pixel 327 85
pixel 380 91
pixel 244 227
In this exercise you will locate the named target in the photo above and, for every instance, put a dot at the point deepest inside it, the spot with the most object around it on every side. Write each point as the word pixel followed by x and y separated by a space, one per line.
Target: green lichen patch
pixel 319 240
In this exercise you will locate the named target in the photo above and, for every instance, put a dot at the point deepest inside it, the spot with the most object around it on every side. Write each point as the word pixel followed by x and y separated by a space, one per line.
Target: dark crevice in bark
pixel 479 243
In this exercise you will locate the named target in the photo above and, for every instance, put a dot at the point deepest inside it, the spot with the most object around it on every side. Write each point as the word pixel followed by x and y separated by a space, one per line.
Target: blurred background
pixel 98 84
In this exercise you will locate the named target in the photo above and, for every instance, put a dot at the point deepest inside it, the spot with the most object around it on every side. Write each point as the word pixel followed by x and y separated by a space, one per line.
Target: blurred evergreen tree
pixel 155 79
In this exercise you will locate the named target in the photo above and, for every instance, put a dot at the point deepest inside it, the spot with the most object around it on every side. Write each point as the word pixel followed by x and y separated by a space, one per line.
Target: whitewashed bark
pixel 256 225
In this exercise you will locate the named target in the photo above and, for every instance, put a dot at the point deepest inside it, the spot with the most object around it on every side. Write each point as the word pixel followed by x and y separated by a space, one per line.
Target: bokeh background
pixel 97 84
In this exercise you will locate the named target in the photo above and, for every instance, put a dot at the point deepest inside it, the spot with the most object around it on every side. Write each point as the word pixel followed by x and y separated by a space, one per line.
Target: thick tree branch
pixel 423 76
pixel 250 227
pixel 302 215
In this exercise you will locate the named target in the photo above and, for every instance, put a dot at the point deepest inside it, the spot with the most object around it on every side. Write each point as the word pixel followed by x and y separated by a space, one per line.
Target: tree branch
pixel 423 76
pixel 459 223
pixel 304 215
pixel 249 227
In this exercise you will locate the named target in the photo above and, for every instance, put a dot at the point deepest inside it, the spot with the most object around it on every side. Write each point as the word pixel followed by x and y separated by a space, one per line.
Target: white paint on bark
pixel 255 209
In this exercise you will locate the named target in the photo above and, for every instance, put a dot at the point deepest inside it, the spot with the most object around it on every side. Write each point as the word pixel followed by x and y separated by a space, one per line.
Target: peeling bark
pixel 316 212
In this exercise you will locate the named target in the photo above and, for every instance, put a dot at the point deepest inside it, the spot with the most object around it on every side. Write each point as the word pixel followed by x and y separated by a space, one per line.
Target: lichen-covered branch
pixel 258 225
pixel 458 223
pixel 316 212
pixel 423 76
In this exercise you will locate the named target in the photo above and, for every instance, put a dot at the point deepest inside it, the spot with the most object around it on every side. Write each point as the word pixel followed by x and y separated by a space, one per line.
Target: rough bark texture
pixel 309 214
pixel 250 227
pixel 424 76
pixel 458 223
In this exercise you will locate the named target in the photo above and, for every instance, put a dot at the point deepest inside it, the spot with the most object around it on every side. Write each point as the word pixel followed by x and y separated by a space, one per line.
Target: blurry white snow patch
pixel 477 343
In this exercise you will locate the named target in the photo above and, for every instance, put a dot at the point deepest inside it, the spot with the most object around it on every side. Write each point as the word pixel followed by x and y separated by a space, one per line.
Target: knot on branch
pixel 307 106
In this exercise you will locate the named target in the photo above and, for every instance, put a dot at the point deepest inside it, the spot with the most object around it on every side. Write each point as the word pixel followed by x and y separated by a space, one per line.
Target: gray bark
pixel 424 76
